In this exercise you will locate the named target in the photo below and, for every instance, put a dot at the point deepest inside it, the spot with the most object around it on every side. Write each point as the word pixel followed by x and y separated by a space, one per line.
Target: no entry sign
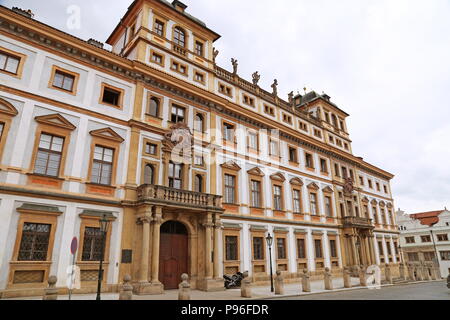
pixel 74 245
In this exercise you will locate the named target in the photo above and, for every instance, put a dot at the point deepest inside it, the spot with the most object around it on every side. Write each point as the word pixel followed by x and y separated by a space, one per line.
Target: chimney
pixel 179 6
pixel 96 43
pixel 26 13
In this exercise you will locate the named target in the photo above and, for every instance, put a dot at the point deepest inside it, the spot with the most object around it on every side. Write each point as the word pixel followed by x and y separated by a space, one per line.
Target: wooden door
pixel 173 260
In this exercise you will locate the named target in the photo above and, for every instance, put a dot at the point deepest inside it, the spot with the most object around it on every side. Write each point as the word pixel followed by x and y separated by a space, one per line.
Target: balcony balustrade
pixel 179 198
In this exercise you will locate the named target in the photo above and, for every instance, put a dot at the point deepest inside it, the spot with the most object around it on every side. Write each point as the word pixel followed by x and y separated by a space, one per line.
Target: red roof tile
pixel 427 218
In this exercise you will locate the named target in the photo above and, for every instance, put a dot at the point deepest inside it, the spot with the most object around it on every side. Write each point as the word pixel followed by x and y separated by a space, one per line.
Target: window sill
pixel 153 117
pixel 32 174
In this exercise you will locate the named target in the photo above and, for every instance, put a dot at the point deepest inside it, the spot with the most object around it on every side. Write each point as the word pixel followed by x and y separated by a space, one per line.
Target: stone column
pixel 145 220
pixel 208 246
pixel 354 250
pixel 157 220
pixel 372 250
pixel 217 228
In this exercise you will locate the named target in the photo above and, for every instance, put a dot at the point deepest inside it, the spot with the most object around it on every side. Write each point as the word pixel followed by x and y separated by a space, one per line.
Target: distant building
pixel 424 236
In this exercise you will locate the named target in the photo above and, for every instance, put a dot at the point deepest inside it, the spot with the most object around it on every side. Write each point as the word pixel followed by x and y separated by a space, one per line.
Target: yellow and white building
pixel 87 132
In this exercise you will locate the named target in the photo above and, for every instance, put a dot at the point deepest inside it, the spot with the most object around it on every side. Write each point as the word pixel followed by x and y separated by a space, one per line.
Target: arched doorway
pixel 173 257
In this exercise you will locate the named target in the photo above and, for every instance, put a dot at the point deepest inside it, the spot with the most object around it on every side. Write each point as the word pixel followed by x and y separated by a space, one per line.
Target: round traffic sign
pixel 74 245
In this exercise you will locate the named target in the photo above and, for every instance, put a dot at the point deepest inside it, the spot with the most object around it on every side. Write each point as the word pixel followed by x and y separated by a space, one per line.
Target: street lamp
pixel 269 240
pixel 104 224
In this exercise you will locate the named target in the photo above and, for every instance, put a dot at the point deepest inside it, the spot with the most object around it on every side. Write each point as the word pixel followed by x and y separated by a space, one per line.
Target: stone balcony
pixel 357 222
pixel 175 198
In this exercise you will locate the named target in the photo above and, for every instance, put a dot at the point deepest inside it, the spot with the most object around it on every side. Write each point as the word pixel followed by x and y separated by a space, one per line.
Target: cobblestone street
pixel 419 291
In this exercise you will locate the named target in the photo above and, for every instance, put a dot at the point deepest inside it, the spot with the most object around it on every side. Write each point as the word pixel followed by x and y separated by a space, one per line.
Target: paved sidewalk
pixel 263 292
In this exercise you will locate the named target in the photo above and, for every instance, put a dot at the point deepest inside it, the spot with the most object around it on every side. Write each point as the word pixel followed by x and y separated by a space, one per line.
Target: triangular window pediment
pixel 56 120
pixel 231 165
pixel 107 133
pixel 256 172
pixel 313 186
pixel 7 108
pixel 278 176
pixel 296 181
pixel 327 189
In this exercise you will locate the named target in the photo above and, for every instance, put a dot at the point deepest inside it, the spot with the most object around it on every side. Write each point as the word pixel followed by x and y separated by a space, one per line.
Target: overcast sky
pixel 385 62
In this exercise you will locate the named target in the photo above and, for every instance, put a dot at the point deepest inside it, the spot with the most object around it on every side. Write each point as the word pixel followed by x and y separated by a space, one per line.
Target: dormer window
pixel 179 37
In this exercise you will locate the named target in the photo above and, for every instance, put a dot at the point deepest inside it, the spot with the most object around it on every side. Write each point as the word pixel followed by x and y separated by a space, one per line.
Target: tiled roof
pixel 429 218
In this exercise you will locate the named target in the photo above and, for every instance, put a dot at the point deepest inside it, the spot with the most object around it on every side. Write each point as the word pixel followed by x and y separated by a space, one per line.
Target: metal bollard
pixel 184 288
pixel 51 293
pixel 126 292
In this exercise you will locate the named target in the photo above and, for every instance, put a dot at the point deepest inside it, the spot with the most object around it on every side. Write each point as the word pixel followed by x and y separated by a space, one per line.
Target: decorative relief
pixel 348 186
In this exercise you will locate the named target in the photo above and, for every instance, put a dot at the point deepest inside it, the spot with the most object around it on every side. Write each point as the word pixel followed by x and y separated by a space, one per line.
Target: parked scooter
pixel 234 281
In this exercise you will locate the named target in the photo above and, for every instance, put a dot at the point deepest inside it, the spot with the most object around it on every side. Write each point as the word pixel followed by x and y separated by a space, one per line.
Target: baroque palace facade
pixel 87 132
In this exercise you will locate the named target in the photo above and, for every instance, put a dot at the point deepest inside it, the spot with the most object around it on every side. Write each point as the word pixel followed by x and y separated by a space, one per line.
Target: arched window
pixel 153 108
pixel 198 123
pixel 148 174
pixel 198 183
pixel 179 37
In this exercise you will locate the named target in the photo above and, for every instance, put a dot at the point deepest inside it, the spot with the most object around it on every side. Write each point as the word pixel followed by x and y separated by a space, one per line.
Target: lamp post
pixel 104 224
pixel 269 240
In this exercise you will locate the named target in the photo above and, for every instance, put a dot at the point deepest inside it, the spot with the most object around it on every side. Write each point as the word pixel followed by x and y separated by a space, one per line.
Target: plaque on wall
pixel 127 256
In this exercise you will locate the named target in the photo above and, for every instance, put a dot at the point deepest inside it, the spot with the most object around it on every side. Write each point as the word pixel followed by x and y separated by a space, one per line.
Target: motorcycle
pixel 234 281
pixel 448 281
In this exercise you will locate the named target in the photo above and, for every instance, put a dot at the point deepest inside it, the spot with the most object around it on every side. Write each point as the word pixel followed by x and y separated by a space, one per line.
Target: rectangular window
pixel 361 180
pixel 380 248
pixel 102 166
pixel 199 48
pixel 157 58
pixel 230 189
pixel 199 77
pixel 64 81
pixel 225 90
pixel 336 170
pixel 198 160
pixel 328 210
pixel 249 101
pixel 370 184
pixel 428 256
pixel 258 248
pixel 34 243
pixel 385 189
pixel 9 63
pixel 92 244
pixel 309 161
pixel 178 114
pixel 269 110
pixel 301 249
pixel 410 240
pixel 159 28
pixel 111 96
pixel 318 248
pixel 303 126
pixel 442 237
pixel 281 248
pixel 256 194
pixel 425 238
pixel 151 148
pixel 333 249
pixel 445 255
pixel 388 246
pixel 231 248
pixel 293 154
pixel 323 166
pixel 228 132
pixel 344 173
pixel 175 175
pixel 253 140
pixel 274 148
pixel 297 201
pixel 277 200
pixel 178 67
pixel 378 186
pixel 413 256
pixel 313 204
pixel 48 158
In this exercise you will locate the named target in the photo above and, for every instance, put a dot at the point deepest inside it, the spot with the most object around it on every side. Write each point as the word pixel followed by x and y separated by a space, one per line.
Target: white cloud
pixel 385 62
